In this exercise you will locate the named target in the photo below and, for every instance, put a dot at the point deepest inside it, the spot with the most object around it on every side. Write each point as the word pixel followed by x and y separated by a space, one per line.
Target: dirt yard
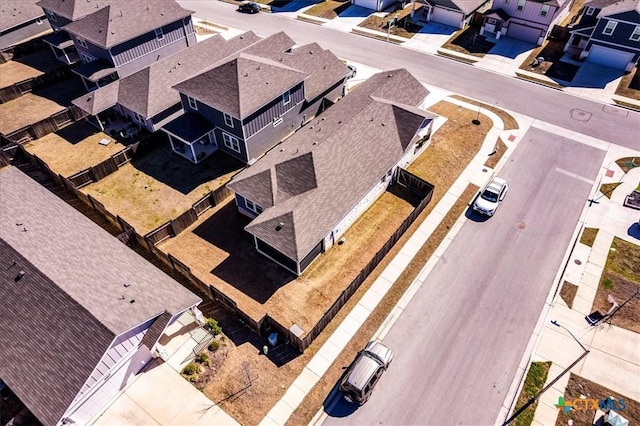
pixel 30 66
pixel 579 387
pixel 621 279
pixel 74 148
pixel 160 186
pixel 25 110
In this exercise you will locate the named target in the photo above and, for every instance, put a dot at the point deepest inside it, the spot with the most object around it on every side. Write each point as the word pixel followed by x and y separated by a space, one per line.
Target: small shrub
pixel 193 378
pixel 214 345
pixel 203 358
pixel 190 369
pixel 607 284
pixel 213 326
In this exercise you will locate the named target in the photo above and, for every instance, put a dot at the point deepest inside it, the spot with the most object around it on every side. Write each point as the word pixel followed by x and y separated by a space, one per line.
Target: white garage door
pixel 522 32
pixel 369 4
pixel 447 17
pixel 609 57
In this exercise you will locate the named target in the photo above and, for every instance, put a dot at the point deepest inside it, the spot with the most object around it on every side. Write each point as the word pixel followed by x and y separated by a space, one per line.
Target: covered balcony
pixel 63 47
pixel 192 137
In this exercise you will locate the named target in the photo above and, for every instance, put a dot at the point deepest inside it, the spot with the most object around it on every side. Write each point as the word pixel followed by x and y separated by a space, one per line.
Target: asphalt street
pixel 612 124
pixel 458 344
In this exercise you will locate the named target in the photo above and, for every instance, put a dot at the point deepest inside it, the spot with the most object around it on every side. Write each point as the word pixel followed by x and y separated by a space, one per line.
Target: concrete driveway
pixel 506 56
pixel 350 18
pixel 596 76
pixel 431 37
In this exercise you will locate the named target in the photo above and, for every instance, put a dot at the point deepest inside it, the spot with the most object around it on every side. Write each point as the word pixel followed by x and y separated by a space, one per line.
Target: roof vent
pixel 279 227
pixel 132 301
pixel 19 276
pixel 389 75
pixel 382 124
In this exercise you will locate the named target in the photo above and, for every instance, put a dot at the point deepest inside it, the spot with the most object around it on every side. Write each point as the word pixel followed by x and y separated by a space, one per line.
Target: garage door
pixel 524 33
pixel 609 57
pixel 369 4
pixel 447 17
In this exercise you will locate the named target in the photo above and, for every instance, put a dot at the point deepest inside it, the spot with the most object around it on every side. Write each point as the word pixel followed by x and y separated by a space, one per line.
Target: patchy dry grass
pixel 496 156
pixel 328 9
pixel 25 110
pixel 621 279
pixel 568 293
pixel 508 121
pixel 628 163
pixel 608 188
pixel 26 67
pixel 404 28
pixel 550 50
pixel 629 85
pixel 588 236
pixel 536 376
pixel 469 41
pixel 67 157
pixel 579 387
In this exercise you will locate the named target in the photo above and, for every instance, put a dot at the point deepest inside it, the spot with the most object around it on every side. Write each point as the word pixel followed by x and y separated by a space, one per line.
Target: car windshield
pixel 489 195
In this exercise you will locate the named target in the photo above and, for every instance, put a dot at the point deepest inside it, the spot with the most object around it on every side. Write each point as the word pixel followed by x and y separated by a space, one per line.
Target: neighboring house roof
pixel 309 182
pixel 69 301
pixel 241 86
pixel 100 99
pixel 498 14
pixel 72 9
pixel 464 6
pixel 116 21
pixel 16 12
pixel 625 10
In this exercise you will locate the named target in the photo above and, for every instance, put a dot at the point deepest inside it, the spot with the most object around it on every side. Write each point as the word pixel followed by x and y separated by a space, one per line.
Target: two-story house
pixel 526 20
pixel 146 97
pixel 307 191
pixel 20 21
pixel 607 32
pixel 455 13
pixel 81 313
pixel 249 103
pixel 115 38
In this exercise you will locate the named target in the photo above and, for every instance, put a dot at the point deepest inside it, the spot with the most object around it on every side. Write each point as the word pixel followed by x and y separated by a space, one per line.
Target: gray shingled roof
pixel 308 183
pixel 72 9
pixel 122 20
pixel 242 85
pixel 68 303
pixel 16 12
pixel 464 6
pixel 628 10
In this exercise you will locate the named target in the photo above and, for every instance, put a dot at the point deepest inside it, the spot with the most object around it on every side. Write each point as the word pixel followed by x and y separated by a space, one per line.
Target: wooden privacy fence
pixel 303 343
pixel 103 169
pixel 186 219
pixel 18 89
pixel 50 124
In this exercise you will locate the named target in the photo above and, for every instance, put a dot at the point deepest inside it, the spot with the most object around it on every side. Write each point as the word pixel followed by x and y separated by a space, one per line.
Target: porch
pixel 494 23
pixel 96 73
pixel 63 47
pixel 192 137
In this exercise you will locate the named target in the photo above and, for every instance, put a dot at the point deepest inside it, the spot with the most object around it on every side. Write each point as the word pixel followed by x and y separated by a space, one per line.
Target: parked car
pixel 249 7
pixel 489 199
pixel 365 371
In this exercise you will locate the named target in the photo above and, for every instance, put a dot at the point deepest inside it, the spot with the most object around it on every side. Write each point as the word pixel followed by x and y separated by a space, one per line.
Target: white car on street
pixel 487 201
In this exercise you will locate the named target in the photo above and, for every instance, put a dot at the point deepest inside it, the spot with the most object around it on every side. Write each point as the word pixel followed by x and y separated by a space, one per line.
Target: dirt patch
pixel 328 9
pixel 508 121
pixel 67 157
pixel 580 387
pixel 29 66
pixel 550 50
pixel 607 188
pixel 534 382
pixel 209 361
pixel 628 163
pixel 25 110
pixel 621 279
pixel 588 236
pixel 497 154
pixel 568 293
pixel 470 42
pixel 403 27
pixel 629 85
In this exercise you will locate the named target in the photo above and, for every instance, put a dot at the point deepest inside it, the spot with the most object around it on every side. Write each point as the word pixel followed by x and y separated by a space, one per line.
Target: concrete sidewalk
pixel 476 173
pixel 614 358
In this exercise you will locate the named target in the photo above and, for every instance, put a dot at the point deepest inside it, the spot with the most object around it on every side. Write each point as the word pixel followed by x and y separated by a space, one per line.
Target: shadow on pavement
pixel 595 76
pixel 293 6
pixel 634 231
pixel 510 48
pixel 356 12
pixel 436 28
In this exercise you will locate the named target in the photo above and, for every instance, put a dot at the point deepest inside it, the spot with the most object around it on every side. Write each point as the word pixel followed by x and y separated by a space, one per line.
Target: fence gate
pixel 414 183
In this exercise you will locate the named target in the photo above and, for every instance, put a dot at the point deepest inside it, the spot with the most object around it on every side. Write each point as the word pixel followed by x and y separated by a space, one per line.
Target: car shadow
pixel 473 215
pixel 341 408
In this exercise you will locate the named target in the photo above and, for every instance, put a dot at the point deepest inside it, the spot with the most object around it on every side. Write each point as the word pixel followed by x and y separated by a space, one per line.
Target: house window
pixel 159 34
pixel 231 142
pixel 192 103
pixel 286 98
pixel 86 58
pixel 635 36
pixel 521 4
pixel 277 121
pixel 611 26
pixel 52 16
pixel 253 206
pixel 138 118
pixel 81 42
pixel 228 120
pixel 545 10
pixel 590 10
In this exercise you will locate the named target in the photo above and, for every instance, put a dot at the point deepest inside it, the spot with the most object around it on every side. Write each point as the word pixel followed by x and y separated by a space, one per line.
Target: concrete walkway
pixel 476 174
pixel 614 358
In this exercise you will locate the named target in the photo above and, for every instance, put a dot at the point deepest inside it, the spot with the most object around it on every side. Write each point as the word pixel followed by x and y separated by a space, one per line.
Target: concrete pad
pixel 560 349
pixel 457 189
pixel 330 350
pixel 619 342
pixel 163 404
pixel 319 365
pixel 425 230
pixel 381 285
pixel 293 397
pixel 432 36
pixel 558 387
pixel 582 304
pixel 182 356
pixel 202 411
pixel 445 203
pixel 546 414
pixel 593 269
pixel 359 313
pixel 370 300
pixel 392 272
pixel 279 414
pixel 350 325
pixel 306 380
pixel 619 375
pixel 124 412
pixel 590 280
